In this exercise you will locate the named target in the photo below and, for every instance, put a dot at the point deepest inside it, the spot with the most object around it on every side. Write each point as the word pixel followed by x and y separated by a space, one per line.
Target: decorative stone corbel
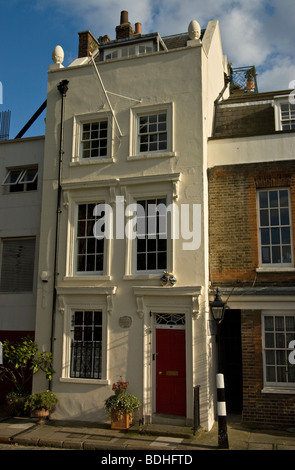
pixel 110 305
pixel 66 199
pixel 124 193
pixel 61 302
pixel 175 190
pixel 196 307
pixel 140 306
pixel 112 195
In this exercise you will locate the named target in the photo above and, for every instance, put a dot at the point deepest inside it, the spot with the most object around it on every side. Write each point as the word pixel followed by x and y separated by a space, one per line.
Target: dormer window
pixel 128 51
pixel 284 113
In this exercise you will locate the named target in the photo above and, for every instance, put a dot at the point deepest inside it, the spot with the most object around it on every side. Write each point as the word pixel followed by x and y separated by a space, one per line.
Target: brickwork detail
pixel 233 224
pixel 87 44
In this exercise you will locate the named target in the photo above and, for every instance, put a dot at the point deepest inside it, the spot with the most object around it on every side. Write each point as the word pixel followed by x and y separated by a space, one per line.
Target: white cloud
pixel 254 32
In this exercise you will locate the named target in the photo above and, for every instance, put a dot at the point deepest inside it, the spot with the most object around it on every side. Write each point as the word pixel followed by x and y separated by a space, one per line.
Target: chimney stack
pixel 87 44
pixel 124 30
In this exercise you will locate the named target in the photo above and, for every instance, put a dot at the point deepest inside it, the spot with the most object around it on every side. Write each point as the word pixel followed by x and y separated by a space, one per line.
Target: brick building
pixel 251 208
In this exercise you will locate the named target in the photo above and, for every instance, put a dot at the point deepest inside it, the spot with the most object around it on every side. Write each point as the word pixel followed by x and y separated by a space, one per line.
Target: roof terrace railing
pixel 243 80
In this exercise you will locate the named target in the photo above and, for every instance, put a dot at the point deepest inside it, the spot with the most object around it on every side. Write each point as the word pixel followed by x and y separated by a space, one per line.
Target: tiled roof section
pixel 246 115
pixel 178 40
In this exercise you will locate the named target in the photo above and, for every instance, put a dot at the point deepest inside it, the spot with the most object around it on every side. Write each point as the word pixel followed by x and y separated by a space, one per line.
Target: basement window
pixel 21 179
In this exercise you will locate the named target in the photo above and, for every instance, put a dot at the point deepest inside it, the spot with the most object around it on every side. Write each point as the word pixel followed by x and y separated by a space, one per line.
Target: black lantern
pixel 217 307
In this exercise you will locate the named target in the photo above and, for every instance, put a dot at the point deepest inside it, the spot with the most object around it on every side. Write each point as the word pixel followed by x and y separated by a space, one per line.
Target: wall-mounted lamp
pixel 217 307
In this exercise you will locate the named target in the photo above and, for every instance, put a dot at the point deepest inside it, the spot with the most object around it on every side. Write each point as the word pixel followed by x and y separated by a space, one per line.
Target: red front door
pixel 170 372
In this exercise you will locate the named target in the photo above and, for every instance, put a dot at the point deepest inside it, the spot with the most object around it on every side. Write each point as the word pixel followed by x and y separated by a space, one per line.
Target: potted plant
pixel 121 406
pixel 41 404
pixel 21 360
pixel 250 77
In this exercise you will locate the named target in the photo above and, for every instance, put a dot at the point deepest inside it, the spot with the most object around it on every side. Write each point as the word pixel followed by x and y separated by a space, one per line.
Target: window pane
pixel 263 199
pixel 265 255
pixel 268 323
pixel 264 218
pixel 265 236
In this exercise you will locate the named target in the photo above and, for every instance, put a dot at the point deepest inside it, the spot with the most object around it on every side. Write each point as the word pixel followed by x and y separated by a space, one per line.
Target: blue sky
pixel 253 32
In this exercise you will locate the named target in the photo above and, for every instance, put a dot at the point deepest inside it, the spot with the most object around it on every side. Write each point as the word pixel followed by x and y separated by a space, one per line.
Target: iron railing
pixel 86 359
pixel 240 79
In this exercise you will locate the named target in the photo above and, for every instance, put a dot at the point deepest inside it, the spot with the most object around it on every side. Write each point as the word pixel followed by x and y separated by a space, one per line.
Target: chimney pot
pixel 137 28
pixel 124 17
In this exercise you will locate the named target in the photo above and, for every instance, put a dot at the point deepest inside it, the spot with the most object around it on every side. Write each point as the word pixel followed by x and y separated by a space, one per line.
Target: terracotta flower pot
pixel 41 414
pixel 120 420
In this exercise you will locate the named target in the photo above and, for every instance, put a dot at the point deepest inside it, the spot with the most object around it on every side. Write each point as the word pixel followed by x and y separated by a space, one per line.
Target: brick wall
pixel 87 44
pixel 265 409
pixel 233 225
pixel 245 120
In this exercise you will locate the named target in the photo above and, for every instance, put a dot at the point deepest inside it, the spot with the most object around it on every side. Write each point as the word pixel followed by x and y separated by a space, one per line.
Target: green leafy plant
pixel 121 401
pixel 21 360
pixel 250 74
pixel 16 402
pixel 41 401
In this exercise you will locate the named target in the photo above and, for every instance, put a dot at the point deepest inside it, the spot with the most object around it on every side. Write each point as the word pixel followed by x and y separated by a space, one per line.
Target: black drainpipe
pixel 62 88
pixel 227 80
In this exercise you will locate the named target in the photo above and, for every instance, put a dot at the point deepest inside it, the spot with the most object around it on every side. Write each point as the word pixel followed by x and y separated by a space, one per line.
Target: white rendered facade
pixel 178 86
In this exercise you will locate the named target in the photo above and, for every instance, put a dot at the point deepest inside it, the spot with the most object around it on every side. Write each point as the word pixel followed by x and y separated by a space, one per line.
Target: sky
pixel 253 32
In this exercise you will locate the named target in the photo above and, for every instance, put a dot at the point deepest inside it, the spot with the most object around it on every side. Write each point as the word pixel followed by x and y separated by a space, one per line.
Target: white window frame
pixel 76 301
pixel 82 340
pixel 22 178
pixel 276 386
pixel 278 101
pixel 97 195
pixel 118 52
pixel 77 148
pixel 135 114
pixel 147 252
pixel 163 186
pixel 274 265
pixel 86 237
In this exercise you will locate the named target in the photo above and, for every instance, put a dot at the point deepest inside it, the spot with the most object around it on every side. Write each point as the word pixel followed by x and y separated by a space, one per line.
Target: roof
pixel 246 114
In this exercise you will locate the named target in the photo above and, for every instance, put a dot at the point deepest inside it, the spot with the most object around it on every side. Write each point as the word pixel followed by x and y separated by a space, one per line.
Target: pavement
pixel 25 431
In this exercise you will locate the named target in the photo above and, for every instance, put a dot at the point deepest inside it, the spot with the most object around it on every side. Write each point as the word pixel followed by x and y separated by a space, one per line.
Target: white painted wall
pixel 20 217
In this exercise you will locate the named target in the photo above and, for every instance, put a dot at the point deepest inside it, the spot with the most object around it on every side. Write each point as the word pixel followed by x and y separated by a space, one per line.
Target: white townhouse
pixel 127 126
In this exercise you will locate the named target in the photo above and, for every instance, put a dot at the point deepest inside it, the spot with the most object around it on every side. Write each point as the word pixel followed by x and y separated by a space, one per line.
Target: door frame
pixel 173 328
pixel 188 353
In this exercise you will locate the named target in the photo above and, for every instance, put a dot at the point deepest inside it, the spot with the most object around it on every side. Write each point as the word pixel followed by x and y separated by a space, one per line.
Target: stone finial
pixel 194 30
pixel 58 55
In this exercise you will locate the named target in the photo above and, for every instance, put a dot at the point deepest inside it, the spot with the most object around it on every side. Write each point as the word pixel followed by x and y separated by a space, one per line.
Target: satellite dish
pixel 194 30
pixel 58 55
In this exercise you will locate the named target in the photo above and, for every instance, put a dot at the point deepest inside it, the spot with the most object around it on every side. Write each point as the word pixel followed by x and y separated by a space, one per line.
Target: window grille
pixel 86 345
